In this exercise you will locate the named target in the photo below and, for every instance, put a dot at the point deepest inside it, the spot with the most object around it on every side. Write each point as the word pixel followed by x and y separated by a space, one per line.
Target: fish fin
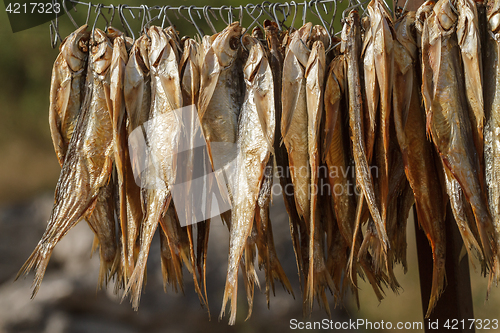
pixel 38 260
pixel 210 72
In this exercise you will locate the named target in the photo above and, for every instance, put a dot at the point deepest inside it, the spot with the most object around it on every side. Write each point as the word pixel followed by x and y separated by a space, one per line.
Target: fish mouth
pixel 75 49
pixel 446 14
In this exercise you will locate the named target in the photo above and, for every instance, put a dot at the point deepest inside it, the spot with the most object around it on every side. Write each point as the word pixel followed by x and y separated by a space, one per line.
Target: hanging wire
pixel 254 11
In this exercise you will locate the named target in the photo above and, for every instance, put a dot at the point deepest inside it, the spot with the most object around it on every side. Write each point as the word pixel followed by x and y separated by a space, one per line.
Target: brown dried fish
pixel 88 163
pixel 447 115
pixel 254 144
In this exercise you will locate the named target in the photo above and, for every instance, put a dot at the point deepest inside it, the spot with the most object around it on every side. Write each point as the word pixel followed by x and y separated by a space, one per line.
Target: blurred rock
pixel 68 300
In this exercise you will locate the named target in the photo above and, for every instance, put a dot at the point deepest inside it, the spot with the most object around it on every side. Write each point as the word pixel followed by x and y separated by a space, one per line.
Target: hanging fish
pixel 67 89
pixel 318 276
pixel 469 41
pixel 351 47
pixel 294 118
pixel 162 135
pixel 255 139
pixel 192 164
pixel 491 133
pixel 221 97
pixel 88 163
pixel 137 97
pixel 447 116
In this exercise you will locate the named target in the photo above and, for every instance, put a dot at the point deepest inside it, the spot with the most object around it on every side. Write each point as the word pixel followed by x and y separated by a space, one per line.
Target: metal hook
pixel 165 16
pixel 157 17
pixel 98 10
pixel 304 13
pixel 230 15
pixel 222 16
pixel 255 19
pixel 268 4
pixel 124 22
pixel 198 29
pixel 294 13
pixel 69 15
pixel 207 18
pixel 349 9
pixel 273 6
pixel 143 22
pixel 240 18
pixel 88 13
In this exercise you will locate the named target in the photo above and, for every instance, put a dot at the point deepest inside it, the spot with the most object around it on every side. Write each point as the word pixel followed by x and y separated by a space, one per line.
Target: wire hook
pixel 68 13
pixel 250 13
pixel 207 18
pixel 88 13
pixel 198 29
pixel 222 16
pixel 124 22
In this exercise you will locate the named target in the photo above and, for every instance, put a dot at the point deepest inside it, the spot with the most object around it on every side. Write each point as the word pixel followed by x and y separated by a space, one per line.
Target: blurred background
pixel 68 300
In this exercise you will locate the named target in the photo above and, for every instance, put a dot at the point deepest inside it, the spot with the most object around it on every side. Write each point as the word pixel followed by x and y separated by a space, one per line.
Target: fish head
pixel 319 33
pixel 101 51
pixel 317 55
pixel 227 44
pixel 403 30
pixel 256 53
pixel 494 17
pixel 75 48
pixel 446 14
pixel 159 41
pixel 143 45
pixel 422 13
pixel 350 23
pixel 257 33
pixel 113 33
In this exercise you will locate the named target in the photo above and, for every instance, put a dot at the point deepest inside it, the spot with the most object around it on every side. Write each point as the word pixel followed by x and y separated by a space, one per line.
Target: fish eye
pixel 234 43
pixel 446 21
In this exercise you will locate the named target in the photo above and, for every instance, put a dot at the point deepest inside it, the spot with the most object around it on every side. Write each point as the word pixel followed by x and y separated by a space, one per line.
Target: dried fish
pixel 162 136
pixel 447 115
pixel 88 163
pixel 254 144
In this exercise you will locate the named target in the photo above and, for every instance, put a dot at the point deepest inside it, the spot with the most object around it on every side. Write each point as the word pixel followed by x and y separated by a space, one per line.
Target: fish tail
pixel 230 293
pixel 438 279
pixel 193 264
pixel 136 279
pixel 95 245
pixel 354 248
pixel 38 260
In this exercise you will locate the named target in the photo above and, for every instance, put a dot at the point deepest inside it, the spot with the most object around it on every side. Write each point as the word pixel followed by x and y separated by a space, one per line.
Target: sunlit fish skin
pixel 382 32
pixel 88 161
pixel 448 121
pixel 67 89
pixel 469 40
pixel 255 135
pixel 318 278
pixel 294 118
pixel 418 156
pixel 298 229
pixel 371 88
pixel 491 129
pixel 162 130
pixel 137 97
pixel 221 94
pixel 189 71
pixel 118 116
pixel 351 44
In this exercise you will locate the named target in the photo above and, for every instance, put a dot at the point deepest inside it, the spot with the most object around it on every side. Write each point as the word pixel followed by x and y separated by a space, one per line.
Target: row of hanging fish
pixel 397 111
